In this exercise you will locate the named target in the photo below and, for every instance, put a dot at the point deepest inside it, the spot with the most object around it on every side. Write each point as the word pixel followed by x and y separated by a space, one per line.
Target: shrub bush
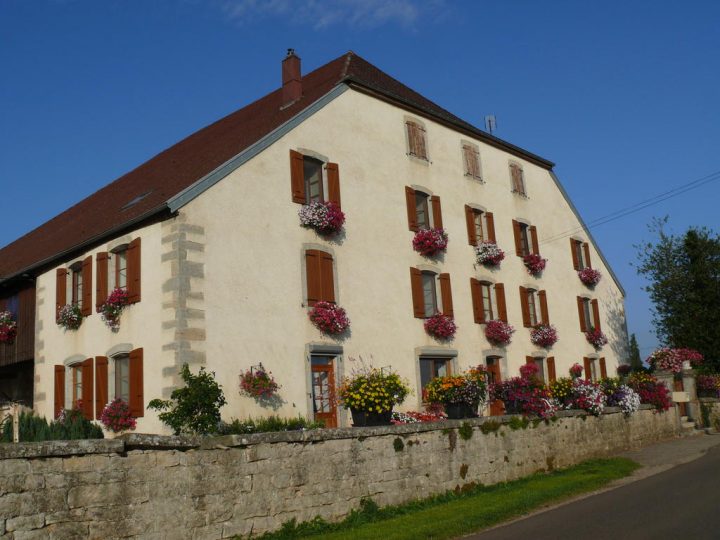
pixel 70 425
pixel 266 425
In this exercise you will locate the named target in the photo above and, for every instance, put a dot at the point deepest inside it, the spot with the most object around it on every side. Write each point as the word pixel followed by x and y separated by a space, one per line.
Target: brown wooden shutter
pixel 59 389
pixel 596 314
pixel 60 290
pixel 588 369
pixel 550 362
pixel 544 315
pixel 101 279
pixel 86 287
pixel 297 177
pixel 603 369
pixel 333 180
pixel 313 275
pixel 581 314
pixel 411 210
pixel 88 402
pixel 490 221
pixel 133 271
pixel 586 249
pixel 412 138
pixel 470 222
pixel 466 159
pixel 524 307
pixel 101 384
pixel 137 400
pixel 476 295
pixel 446 295
pixel 573 250
pixel 518 238
pixel 500 300
pixel 534 239
pixel 436 212
pixel 327 279
pixel 421 142
pixel 417 293
pixel 530 360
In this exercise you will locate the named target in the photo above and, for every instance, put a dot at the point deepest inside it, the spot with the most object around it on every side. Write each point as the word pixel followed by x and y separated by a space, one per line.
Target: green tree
pixel 635 359
pixel 194 408
pixel 684 276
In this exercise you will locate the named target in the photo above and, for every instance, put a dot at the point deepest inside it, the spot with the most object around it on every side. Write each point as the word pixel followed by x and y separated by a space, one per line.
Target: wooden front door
pixel 493 368
pixel 679 387
pixel 323 390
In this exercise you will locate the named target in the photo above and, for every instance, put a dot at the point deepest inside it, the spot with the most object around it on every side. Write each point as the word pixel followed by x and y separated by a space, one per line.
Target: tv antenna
pixel 490 124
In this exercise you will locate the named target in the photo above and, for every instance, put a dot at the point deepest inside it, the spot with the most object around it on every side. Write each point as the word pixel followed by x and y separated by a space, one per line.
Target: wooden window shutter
pixel 586 249
pixel 60 290
pixel 534 239
pixel 476 295
pixel 133 271
pixel 581 314
pixel 588 369
pixel 88 403
pixel 500 300
pixel 466 159
pixel 327 279
pixel 470 222
pixel 446 295
pixel 417 293
pixel 411 210
pixel 518 240
pixel 603 369
pixel 490 221
pixel 545 316
pixel 101 384
pixel 297 177
pixel 87 287
pixel 412 138
pixel 550 362
pixel 137 400
pixel 530 360
pixel 524 307
pixel 59 389
pixel 573 250
pixel 101 279
pixel 436 212
pixel 421 142
pixel 333 180
pixel 313 275
pixel 596 314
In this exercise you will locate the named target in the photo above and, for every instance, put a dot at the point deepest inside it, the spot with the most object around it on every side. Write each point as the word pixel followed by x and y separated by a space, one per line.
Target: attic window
pixel 136 200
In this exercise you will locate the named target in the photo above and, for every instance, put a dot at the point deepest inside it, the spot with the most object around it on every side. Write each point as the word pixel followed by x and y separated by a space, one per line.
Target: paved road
pixel 680 503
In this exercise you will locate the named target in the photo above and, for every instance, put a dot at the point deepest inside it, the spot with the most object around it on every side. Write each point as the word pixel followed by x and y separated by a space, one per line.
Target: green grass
pixel 454 514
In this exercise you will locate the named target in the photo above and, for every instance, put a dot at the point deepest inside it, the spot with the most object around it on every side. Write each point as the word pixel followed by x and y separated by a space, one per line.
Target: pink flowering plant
pixel 8 327
pixel 544 335
pixel 325 217
pixel 116 416
pixel 587 396
pixel 708 385
pixel 489 254
pixel 695 358
pixel 113 307
pixel 666 359
pixel 589 276
pixel 576 371
pixel 440 326
pixel 329 318
pixel 596 338
pixel 70 317
pixel 415 417
pixel 651 391
pixel 526 395
pixel 499 332
pixel 534 263
pixel 430 242
pixel 258 383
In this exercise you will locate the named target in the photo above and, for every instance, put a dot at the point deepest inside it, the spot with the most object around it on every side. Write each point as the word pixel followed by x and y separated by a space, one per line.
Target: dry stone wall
pixel 154 487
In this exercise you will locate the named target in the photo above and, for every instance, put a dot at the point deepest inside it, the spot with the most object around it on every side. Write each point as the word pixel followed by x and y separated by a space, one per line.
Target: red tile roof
pixel 154 182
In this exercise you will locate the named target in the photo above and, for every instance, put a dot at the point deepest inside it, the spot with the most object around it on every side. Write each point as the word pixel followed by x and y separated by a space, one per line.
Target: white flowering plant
pixel 489 254
pixel 70 317
pixel 324 217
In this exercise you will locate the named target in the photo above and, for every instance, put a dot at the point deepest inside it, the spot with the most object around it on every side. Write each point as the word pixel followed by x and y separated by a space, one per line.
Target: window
pixel 76 382
pixel 429 294
pixel 77 289
pixel 480 225
pixel 532 311
pixel 591 371
pixel 118 268
pixel 517 178
pixel 488 301
pixel 426 301
pixel 493 375
pixel 320 279
pixel 80 380
pixel 546 367
pixel 122 377
pixel 423 210
pixel 471 160
pixel 312 174
pixel 580 254
pixel 313 180
pixel 540 364
pixel 433 367
pixel 534 307
pixel 588 313
pixel 526 239
pixel 417 143
pixel 76 285
pixel 323 389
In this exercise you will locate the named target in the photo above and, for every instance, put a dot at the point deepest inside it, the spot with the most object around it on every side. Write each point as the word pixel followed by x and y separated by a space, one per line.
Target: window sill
pixel 519 193
pixel 478 179
pixel 417 159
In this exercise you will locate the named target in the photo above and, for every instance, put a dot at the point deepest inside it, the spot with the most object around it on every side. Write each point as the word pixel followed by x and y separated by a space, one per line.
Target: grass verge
pixel 464 511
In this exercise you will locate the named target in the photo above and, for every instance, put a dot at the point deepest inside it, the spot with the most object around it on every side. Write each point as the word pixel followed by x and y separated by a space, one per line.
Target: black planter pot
pixel 367 418
pixel 512 407
pixel 456 411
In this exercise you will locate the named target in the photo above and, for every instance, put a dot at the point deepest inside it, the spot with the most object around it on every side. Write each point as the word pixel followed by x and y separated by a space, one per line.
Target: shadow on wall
pixel 618 329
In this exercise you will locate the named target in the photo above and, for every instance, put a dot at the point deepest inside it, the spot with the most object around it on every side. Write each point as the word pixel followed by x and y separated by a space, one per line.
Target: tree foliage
pixel 635 359
pixel 684 276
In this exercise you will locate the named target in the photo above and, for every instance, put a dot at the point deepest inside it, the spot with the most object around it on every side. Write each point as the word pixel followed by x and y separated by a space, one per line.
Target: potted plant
pixel 371 394
pixel 534 263
pixel 116 416
pixel 589 276
pixel 499 332
pixel 620 395
pixel 329 318
pixel 325 217
pixel 544 335
pixel 576 371
pixel 8 327
pixel 526 395
pixel 70 317
pixel 430 242
pixel 708 385
pixel 440 326
pixel 258 383
pixel 666 359
pixel 489 254
pixel 113 308
pixel 460 395
pixel 651 390
pixel 596 338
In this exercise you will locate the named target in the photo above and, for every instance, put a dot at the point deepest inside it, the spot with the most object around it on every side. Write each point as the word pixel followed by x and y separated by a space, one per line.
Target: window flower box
pixel 258 383
pixel 113 308
pixel 430 242
pixel 8 327
pixel 70 317
pixel 371 394
pixel 589 276
pixel 440 326
pixel 329 318
pixel 116 417
pixel 489 254
pixel 544 335
pixel 325 217
pixel 499 332
pixel 534 263
pixel 525 395
pixel 596 338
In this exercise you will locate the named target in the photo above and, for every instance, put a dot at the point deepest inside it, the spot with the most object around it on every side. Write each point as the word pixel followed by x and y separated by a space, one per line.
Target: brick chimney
pixel 291 79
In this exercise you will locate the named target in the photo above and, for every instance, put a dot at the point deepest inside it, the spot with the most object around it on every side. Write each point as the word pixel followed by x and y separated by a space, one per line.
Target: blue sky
pixel 623 96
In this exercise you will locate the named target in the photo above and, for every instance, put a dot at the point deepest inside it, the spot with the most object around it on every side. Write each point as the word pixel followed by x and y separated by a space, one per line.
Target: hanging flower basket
pixel 116 417
pixel 329 318
pixel 440 326
pixel 576 371
pixel 489 254
pixel 430 242
pixel 325 217
pixel 499 332
pixel 589 276
pixel 544 335
pixel 70 317
pixel 8 327
pixel 596 338
pixel 534 263
pixel 113 308
pixel 258 383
